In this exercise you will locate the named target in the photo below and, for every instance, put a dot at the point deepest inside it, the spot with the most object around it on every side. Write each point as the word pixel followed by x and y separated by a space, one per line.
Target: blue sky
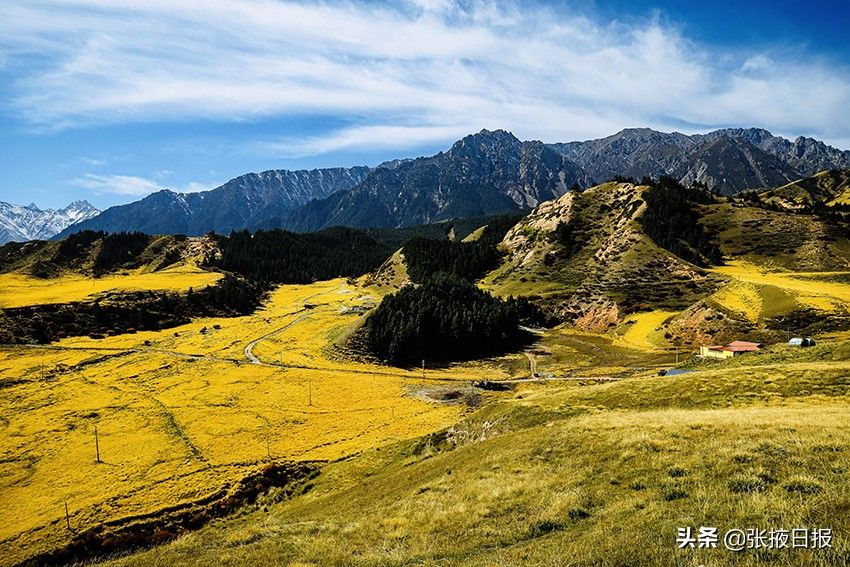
pixel 109 100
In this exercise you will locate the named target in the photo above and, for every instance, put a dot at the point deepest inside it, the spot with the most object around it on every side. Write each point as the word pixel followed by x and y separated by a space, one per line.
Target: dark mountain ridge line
pixel 490 172
pixel 644 145
pixel 487 173
pixel 244 201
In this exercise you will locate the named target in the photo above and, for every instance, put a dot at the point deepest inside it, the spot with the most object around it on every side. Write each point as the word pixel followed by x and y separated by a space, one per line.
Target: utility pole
pixel 310 391
pixel 96 445
pixel 67 516
pixel 423 368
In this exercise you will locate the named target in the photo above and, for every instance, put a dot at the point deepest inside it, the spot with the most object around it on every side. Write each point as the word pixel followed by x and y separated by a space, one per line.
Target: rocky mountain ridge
pixel 243 202
pixel 482 174
pixel 490 172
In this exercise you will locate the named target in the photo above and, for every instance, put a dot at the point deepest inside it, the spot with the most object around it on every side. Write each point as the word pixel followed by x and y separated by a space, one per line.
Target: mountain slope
pixel 20 223
pixel 607 256
pixel 245 201
pixel 482 174
pixel 587 259
pixel 633 152
pixel 726 165
pixel 807 155
pixel 825 190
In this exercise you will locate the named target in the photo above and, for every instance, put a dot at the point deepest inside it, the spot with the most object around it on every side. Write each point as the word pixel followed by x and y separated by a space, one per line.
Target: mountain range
pixel 482 174
pixel 727 160
pixel 246 201
pixel 19 223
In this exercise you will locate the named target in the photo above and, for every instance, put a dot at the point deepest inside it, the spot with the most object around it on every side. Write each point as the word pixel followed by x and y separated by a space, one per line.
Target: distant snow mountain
pixel 19 223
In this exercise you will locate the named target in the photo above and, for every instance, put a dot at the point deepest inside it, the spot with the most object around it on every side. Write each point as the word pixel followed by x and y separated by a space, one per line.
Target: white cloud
pixel 117 184
pixel 376 137
pixel 429 71
pixel 93 161
pixel 758 63
pixel 132 185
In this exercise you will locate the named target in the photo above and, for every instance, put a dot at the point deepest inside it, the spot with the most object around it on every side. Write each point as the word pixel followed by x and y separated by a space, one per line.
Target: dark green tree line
pixel 469 260
pixel 672 220
pixel 281 256
pixel 446 318
pixel 128 312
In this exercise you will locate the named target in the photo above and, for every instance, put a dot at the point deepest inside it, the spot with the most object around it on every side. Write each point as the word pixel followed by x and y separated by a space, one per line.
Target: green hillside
pixel 827 189
pixel 577 475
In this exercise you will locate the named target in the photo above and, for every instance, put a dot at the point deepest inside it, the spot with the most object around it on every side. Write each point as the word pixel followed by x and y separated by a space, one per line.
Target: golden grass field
pixel 757 289
pixel 602 465
pixel 182 412
pixel 17 290
pixel 560 474
pixel 643 330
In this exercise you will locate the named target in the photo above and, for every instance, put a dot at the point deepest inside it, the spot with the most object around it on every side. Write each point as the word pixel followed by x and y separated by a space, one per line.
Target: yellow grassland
pixel 842 199
pixel 643 331
pixel 809 289
pixel 741 297
pixel 181 413
pixel 565 352
pixel 561 475
pixel 17 290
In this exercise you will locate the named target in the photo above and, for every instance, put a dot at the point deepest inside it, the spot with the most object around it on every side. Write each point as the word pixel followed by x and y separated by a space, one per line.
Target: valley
pixel 431 283
pixel 277 437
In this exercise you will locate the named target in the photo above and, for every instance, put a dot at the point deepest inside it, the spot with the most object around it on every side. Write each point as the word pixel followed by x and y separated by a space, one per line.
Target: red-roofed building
pixel 734 348
pixel 744 346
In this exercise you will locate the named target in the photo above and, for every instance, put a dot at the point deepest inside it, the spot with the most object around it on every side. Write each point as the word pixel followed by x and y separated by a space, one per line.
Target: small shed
pixel 715 351
pixel 802 342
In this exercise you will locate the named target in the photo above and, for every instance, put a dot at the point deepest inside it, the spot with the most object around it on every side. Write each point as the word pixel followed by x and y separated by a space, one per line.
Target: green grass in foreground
pixel 568 475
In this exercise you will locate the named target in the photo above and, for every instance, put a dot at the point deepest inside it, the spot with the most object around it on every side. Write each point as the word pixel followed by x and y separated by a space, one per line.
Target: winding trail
pixel 532 364
pixel 249 348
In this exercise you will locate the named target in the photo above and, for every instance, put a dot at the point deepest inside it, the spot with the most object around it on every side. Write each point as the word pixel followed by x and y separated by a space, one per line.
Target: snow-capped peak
pixel 27 222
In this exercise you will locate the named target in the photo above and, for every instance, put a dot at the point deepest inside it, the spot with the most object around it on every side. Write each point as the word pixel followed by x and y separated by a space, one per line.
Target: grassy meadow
pixel 574 475
pixel 589 458
pixel 17 290
pixel 181 413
